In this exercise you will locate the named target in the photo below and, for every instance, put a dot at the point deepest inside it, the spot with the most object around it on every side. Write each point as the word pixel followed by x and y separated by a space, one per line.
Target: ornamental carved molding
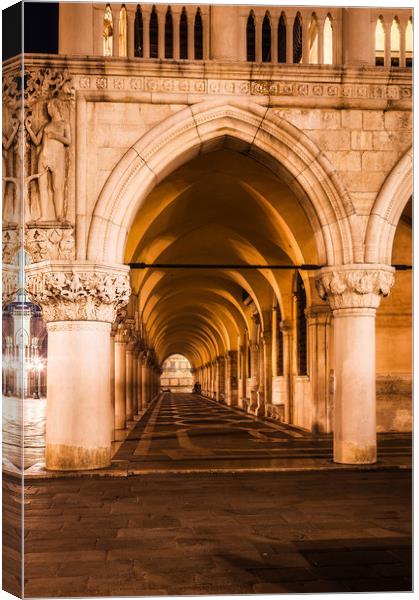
pixel 76 295
pixel 297 88
pixel 351 287
pixel 50 242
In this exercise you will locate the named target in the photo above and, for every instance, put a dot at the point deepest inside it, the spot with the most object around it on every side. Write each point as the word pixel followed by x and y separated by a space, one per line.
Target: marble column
pixel 112 380
pixel 318 323
pixel 79 303
pixel 120 377
pixel 354 293
pixel 129 396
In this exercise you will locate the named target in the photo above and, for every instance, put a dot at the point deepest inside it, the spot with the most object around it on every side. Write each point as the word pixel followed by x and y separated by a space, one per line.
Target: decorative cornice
pixel 355 286
pixel 78 291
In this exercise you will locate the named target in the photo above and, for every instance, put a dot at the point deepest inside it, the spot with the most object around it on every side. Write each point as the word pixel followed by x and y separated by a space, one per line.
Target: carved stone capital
pixel 78 291
pixel 354 286
pixel 50 242
pixel 10 283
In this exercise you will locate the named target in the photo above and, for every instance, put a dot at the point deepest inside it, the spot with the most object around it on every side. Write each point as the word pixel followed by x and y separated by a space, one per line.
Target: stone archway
pixel 254 130
pixel 388 207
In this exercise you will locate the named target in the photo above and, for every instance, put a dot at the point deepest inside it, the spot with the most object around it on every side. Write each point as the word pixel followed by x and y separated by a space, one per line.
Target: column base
pixel 353 454
pixel 60 457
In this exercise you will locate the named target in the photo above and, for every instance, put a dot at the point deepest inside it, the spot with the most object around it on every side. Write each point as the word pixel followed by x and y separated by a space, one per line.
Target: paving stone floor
pixel 186 531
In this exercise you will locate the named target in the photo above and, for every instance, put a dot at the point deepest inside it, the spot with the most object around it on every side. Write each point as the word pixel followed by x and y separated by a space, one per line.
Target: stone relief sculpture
pixel 52 137
pixel 36 150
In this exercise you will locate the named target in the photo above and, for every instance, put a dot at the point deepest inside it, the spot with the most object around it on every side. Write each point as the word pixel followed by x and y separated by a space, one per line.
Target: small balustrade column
pixel 115 41
pixel 320 41
pixel 290 41
pixel 161 16
pixel 130 29
pixel 274 41
pixel 258 38
pixel 402 27
pixel 176 36
pixel 191 32
pixel 146 12
pixel 354 293
pixel 306 46
pixel 387 43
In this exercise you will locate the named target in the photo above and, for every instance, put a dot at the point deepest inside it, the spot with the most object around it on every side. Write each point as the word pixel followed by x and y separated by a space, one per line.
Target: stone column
pixel 139 382
pixel 112 380
pixel 286 328
pixel 357 44
pixel 79 302
pixel 231 378
pixel 354 293
pixel 221 379
pixel 267 366
pixel 120 377
pixel 144 381
pixel 318 324
pixel 129 396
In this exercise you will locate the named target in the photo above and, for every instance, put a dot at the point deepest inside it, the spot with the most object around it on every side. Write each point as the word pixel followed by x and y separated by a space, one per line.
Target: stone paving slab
pixel 187 433
pixel 203 533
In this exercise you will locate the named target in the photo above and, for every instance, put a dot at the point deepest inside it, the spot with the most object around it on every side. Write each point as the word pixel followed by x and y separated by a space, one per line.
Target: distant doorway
pixel 177 374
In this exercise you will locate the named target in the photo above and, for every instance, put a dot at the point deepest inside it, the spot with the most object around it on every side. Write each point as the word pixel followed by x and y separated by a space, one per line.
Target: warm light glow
pixel 123 41
pixel 314 42
pixel 328 41
pixel 108 32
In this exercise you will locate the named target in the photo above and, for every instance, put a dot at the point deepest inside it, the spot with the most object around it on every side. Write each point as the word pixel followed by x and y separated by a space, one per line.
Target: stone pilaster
pixel 354 293
pixel 79 303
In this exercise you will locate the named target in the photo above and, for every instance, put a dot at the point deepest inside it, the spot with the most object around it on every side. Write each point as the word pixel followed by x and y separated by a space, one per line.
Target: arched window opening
pixel 379 43
pixel 280 346
pixel 123 40
pixel 183 35
pixel 250 38
pixel 395 43
pixel 168 35
pixel 313 41
pixel 301 327
pixel 409 43
pixel 266 39
pixel 138 33
pixel 108 32
pixel 198 36
pixel 328 41
pixel 154 34
pixel 297 40
pixel 282 40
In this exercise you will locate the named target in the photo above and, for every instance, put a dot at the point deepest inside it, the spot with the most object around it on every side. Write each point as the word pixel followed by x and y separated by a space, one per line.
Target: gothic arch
pixel 386 212
pixel 249 128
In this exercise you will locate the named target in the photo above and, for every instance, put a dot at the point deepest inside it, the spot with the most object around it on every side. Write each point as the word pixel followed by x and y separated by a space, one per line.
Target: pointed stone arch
pixel 248 128
pixel 388 207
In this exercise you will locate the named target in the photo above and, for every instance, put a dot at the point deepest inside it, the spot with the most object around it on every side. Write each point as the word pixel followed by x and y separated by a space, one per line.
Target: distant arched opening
pixel 183 35
pixel 108 32
pixel 154 34
pixel 380 37
pixel 409 43
pixel 138 33
pixel 198 36
pixel 168 35
pixel 328 41
pixel 301 301
pixel 297 40
pixel 395 43
pixel 177 374
pixel 266 39
pixel 123 39
pixel 282 40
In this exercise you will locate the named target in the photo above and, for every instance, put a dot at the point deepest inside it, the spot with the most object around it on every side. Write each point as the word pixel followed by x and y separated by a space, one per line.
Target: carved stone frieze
pixel 11 244
pixel 78 292
pixel 354 286
pixel 50 242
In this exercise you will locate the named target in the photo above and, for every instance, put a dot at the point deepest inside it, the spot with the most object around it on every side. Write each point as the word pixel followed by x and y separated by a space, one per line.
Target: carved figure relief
pixel 52 138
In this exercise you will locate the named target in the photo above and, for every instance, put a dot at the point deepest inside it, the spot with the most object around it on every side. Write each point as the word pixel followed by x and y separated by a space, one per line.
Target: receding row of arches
pixel 389 42
pixel 146 34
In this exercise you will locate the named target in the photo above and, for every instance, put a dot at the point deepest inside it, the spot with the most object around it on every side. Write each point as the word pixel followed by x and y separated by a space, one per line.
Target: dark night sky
pixel 41 28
